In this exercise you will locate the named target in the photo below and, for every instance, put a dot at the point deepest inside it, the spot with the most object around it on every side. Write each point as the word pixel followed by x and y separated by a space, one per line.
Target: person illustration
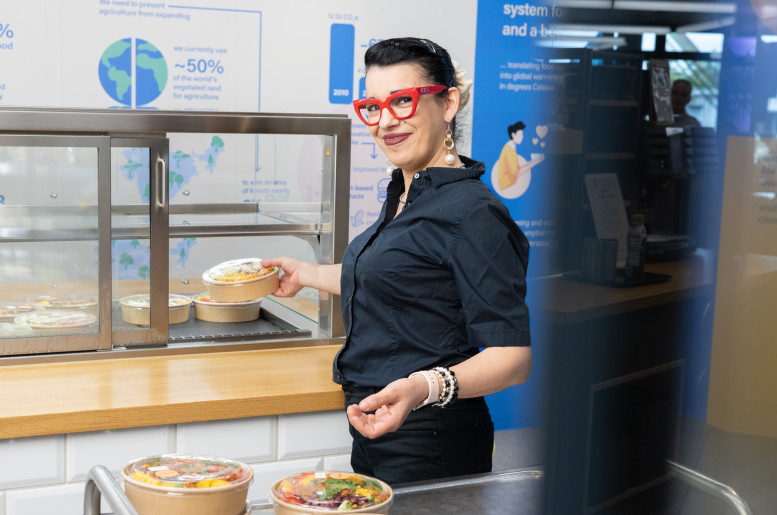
pixel 512 173
pixel 433 293
pixel 681 96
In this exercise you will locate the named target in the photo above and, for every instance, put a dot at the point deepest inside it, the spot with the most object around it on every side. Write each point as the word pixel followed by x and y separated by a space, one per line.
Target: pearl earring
pixel 389 168
pixel 448 144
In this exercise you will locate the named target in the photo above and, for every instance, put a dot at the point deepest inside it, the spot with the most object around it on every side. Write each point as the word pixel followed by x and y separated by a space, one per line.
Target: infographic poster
pixel 138 55
pixel 235 55
pixel 513 119
pixel 333 75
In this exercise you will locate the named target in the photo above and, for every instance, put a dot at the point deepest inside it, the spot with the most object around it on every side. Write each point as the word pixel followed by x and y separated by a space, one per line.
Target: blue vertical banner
pixel 341 58
pixel 516 85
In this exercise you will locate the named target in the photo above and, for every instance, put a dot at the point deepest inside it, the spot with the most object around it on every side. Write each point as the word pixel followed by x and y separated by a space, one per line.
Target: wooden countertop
pixel 564 301
pixel 98 394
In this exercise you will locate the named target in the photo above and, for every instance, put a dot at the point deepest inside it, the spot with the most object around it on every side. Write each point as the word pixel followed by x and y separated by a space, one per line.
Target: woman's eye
pixel 371 107
pixel 404 100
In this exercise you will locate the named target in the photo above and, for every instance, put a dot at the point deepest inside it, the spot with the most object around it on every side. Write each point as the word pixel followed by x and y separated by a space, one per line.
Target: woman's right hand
pixel 299 274
pixel 290 282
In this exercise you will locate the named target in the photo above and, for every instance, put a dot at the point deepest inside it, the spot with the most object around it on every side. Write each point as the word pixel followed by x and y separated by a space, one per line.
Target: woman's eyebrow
pixel 390 93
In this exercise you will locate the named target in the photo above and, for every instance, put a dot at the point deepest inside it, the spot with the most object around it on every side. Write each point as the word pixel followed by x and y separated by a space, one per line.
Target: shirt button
pixel 416 176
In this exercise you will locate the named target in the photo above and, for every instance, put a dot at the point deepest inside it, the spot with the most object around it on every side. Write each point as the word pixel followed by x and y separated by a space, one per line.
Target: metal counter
pixel 496 493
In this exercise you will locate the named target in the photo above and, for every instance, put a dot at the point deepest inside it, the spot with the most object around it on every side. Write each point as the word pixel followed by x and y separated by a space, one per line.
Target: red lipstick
pixel 395 138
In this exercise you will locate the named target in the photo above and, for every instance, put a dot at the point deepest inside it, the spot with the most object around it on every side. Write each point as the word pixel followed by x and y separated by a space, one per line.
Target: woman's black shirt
pixel 431 286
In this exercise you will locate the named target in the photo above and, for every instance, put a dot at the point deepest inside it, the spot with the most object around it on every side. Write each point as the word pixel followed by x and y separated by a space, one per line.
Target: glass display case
pixel 109 219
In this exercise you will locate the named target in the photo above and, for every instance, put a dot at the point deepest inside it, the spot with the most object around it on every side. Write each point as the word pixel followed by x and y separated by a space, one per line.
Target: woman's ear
pixel 452 99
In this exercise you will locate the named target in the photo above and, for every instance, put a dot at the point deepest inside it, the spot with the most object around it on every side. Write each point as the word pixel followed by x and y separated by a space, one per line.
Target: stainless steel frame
pixel 101 340
pixel 149 129
pixel 158 235
pixel 101 483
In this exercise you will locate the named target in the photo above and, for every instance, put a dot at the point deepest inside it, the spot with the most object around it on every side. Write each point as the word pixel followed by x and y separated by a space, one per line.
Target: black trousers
pixel 432 443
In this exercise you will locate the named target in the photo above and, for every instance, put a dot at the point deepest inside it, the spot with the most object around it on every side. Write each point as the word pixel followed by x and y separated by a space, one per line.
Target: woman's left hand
pixel 391 406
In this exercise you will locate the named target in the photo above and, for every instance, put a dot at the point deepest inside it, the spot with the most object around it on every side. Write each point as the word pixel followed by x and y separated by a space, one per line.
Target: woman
pixel 439 275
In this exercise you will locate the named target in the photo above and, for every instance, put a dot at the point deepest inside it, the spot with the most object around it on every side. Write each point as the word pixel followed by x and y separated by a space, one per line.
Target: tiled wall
pixel 47 474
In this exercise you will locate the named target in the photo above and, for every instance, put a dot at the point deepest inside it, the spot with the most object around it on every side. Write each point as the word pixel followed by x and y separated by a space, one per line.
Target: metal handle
pixel 101 482
pixel 161 201
pixel 710 486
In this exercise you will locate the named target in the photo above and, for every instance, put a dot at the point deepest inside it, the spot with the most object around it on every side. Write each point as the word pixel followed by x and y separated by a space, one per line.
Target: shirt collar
pixel 443 175
pixel 472 170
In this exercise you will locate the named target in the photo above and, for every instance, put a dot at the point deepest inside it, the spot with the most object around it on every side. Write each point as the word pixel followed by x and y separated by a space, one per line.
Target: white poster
pixel 294 56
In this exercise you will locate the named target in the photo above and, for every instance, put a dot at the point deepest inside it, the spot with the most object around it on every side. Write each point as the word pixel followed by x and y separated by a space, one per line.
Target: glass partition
pixel 50 239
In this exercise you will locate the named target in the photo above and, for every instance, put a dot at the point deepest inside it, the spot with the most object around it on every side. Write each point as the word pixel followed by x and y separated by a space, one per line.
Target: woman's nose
pixel 386 118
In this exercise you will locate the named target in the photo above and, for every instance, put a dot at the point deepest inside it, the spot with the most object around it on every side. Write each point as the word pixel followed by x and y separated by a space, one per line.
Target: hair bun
pixel 464 85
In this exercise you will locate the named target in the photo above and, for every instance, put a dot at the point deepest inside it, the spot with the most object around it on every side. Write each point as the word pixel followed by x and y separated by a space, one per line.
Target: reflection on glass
pixel 48 241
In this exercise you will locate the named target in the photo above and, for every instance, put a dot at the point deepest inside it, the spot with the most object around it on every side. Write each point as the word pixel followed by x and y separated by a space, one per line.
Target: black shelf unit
pixel 601 98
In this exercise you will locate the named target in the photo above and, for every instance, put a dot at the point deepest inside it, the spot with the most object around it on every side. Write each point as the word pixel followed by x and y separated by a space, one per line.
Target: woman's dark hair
pixel 512 129
pixel 433 59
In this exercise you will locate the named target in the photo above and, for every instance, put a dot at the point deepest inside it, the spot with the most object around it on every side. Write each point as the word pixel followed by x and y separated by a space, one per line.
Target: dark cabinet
pixel 601 98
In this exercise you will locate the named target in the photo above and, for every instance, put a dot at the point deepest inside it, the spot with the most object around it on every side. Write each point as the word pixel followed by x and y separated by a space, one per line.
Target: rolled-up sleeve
pixel 489 257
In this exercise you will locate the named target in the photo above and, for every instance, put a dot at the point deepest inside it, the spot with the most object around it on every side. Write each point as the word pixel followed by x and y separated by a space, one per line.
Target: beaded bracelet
pixel 450 386
pixel 443 387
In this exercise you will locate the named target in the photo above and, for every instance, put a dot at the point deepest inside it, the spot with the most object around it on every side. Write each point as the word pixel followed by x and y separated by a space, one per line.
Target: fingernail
pixel 363 405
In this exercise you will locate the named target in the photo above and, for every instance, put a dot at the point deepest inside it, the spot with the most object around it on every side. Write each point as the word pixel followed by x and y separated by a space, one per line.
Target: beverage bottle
pixel 636 245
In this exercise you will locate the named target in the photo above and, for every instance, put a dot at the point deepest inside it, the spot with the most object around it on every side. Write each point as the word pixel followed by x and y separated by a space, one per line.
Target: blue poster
pixel 513 116
pixel 512 133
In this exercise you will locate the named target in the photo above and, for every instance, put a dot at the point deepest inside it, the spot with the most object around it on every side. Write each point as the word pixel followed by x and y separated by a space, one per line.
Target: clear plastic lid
pixel 55 319
pixel 237 271
pixel 143 300
pixel 178 471
pixel 63 301
pixel 335 491
pixel 12 309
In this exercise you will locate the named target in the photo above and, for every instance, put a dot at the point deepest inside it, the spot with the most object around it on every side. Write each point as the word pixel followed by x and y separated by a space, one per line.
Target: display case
pixel 110 218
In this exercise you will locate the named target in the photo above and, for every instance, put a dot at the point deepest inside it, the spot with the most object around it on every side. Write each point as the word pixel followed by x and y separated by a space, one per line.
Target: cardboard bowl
pixel 135 309
pixel 282 506
pixel 149 499
pixel 221 289
pixel 208 310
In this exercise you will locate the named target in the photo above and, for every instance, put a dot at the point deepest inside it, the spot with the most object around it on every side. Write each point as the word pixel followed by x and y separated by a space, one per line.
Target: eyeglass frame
pixel 414 93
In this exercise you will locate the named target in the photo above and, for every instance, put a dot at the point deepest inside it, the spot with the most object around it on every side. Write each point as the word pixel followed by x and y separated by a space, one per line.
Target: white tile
pixel 62 500
pixel 2 503
pixel 340 463
pixel 267 474
pixel 37 460
pixel 114 448
pixel 249 440
pixel 313 434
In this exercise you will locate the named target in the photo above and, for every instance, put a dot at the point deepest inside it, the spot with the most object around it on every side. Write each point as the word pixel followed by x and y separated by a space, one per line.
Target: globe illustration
pixel 116 73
